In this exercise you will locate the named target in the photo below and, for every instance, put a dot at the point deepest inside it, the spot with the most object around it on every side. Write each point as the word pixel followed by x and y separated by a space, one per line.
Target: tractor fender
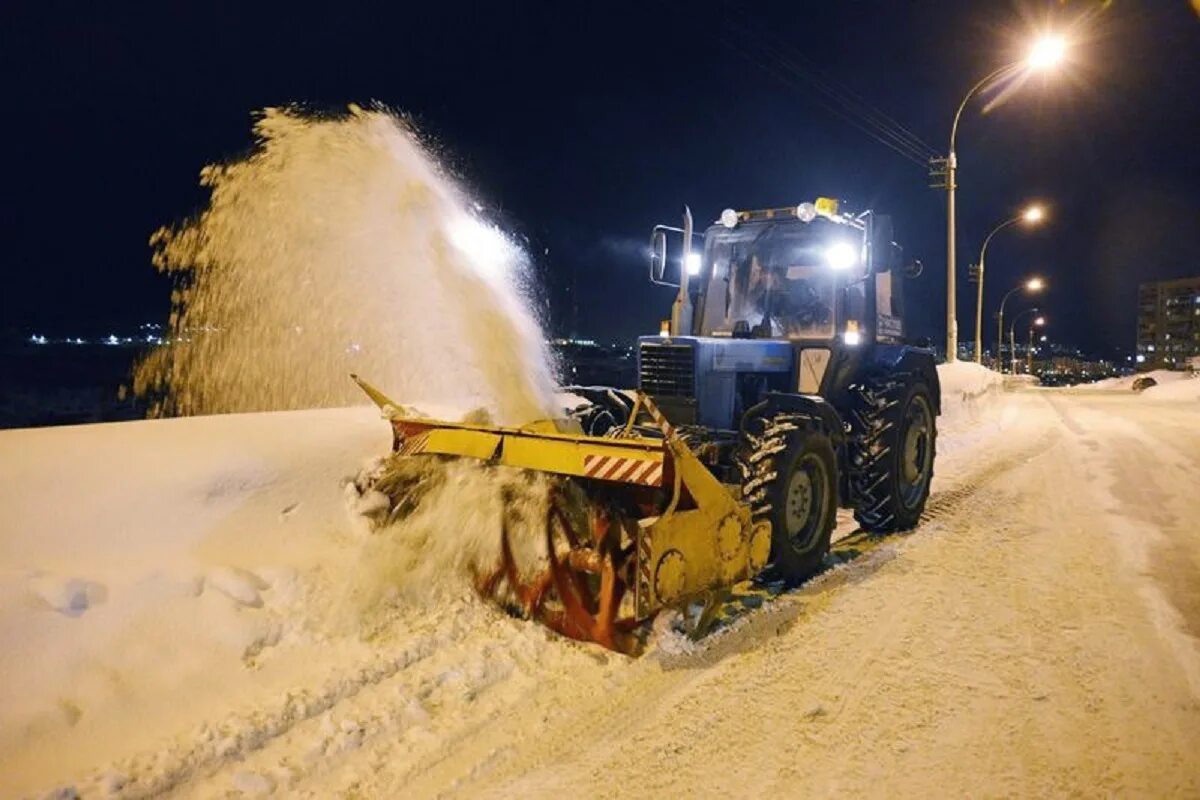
pixel 915 360
pixel 811 404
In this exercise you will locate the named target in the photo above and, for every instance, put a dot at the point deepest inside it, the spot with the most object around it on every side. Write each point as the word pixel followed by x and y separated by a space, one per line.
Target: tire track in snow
pixel 212 745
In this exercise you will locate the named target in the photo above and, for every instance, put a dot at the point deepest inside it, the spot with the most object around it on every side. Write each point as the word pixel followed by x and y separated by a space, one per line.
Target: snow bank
pixel 968 390
pixel 150 572
pixel 1178 390
pixel 182 590
pixel 1125 382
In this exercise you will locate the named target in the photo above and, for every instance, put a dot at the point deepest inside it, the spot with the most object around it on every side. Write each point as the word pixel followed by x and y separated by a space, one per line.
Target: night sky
pixel 580 126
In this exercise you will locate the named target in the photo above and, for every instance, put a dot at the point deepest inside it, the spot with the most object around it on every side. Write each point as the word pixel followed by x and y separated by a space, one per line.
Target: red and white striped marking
pixel 624 470
pixel 414 445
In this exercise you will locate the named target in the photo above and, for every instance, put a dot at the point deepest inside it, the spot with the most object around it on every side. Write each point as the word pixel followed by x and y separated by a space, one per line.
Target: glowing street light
pixel 1039 322
pixel 1045 53
pixel 1032 215
pixel 1012 344
pixel 1034 284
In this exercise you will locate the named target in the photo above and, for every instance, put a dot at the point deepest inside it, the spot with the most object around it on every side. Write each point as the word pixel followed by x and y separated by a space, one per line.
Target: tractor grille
pixel 667 370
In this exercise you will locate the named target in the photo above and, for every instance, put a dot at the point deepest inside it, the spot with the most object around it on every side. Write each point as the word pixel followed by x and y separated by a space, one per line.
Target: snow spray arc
pixel 339 245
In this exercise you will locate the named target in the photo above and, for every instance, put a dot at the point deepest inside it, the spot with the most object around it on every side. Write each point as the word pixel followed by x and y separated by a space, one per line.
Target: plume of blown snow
pixel 339 245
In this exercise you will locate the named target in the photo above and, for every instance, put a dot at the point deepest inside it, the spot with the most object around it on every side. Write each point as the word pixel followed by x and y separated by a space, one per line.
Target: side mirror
pixel 913 269
pixel 658 254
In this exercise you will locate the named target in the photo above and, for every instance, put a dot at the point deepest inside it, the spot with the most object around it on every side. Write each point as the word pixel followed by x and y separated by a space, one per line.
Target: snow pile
pixel 968 390
pixel 1125 382
pixel 340 246
pixel 1178 390
pixel 210 590
pixel 153 571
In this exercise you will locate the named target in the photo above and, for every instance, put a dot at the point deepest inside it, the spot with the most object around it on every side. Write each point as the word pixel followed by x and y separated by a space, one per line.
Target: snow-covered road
pixel 1038 634
pixel 1035 637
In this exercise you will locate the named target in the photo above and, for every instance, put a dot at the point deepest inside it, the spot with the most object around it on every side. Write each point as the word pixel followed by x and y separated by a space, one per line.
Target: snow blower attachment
pixel 636 522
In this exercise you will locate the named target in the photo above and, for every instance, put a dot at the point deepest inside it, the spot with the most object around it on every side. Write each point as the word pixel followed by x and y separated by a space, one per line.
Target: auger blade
pixel 579 593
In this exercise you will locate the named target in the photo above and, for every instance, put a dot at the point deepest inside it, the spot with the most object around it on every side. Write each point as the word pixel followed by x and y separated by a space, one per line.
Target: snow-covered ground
pixel 1126 382
pixel 187 607
pixel 1170 385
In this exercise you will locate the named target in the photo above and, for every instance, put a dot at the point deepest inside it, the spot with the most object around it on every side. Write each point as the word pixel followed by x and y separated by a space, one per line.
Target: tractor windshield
pixel 774 279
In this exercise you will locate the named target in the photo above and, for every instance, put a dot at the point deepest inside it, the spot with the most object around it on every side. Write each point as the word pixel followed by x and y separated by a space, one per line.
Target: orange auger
pixel 580 593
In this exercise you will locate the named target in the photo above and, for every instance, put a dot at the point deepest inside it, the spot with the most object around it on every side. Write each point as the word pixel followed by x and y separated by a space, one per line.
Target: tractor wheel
pixel 891 451
pixel 789 477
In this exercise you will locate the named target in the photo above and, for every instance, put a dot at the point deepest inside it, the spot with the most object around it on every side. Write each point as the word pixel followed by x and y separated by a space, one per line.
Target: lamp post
pixel 1012 345
pixel 1031 215
pixel 1045 53
pixel 1029 347
pixel 1031 285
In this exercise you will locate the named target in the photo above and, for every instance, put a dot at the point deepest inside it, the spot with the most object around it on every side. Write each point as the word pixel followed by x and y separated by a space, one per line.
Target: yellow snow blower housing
pixel 662 527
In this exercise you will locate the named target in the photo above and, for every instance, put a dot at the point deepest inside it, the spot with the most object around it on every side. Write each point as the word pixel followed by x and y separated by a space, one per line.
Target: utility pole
pixel 951 246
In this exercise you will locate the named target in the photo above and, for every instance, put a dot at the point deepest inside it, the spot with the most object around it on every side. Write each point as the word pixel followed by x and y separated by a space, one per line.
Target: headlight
pixel 840 256
pixel 729 218
pixel 807 212
pixel 693 263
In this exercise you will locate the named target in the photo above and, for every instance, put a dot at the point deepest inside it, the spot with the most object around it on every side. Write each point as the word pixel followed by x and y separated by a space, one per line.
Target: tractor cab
pixel 765 280
pixel 785 300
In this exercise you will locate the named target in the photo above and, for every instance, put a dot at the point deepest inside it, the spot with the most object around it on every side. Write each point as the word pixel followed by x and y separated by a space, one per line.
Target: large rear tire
pixel 892 452
pixel 789 477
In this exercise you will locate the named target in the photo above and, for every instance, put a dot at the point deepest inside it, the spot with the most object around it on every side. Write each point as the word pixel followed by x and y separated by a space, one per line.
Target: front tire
pixel 789 477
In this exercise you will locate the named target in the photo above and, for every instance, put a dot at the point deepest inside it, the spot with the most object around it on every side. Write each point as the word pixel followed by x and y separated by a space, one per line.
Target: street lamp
pixel 1032 285
pixel 1040 321
pixel 1045 53
pixel 1032 215
pixel 1012 346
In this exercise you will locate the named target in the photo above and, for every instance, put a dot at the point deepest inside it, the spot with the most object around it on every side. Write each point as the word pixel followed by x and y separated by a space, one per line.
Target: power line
pixel 915 156
pixel 855 104
pixel 841 101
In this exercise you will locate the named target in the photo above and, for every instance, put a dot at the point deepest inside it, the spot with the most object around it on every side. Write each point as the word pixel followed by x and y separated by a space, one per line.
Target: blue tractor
pixel 783 387
pixel 787 367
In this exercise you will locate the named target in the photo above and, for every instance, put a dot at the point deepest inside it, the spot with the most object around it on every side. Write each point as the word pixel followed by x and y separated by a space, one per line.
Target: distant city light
pixel 37 339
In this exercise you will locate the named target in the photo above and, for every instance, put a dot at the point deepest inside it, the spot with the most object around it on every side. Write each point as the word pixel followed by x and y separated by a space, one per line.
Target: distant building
pixel 1168 332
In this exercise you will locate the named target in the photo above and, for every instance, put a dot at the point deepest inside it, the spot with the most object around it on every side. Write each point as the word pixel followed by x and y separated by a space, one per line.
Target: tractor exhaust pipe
pixel 681 309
